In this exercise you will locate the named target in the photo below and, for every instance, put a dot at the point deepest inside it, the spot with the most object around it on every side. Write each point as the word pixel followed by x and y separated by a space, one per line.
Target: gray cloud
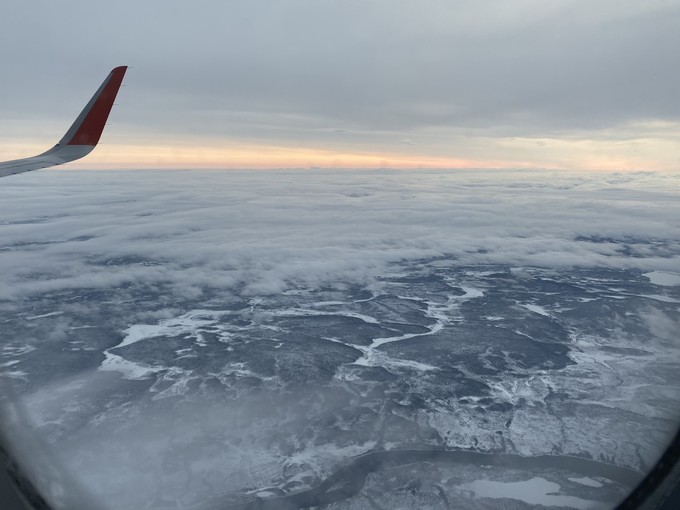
pixel 284 70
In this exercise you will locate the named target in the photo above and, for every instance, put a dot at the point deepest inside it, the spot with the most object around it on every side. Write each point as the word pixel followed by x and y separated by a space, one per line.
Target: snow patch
pixel 587 481
pixel 51 314
pixel 128 369
pixel 536 309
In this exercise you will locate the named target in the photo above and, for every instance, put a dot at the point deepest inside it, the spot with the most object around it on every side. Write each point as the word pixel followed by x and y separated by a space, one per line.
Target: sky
pixel 566 84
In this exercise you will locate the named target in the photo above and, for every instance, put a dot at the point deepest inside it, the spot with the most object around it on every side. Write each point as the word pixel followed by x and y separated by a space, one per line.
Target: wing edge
pixel 83 135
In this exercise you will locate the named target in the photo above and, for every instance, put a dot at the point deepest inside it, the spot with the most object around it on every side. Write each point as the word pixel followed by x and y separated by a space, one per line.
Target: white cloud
pixel 263 232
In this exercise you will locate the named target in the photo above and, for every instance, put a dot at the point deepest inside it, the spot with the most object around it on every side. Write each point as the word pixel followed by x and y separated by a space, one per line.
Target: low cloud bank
pixel 264 232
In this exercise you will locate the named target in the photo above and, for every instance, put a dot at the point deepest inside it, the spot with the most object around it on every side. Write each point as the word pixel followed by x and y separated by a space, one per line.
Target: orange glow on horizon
pixel 269 156
pixel 263 157
pixel 583 155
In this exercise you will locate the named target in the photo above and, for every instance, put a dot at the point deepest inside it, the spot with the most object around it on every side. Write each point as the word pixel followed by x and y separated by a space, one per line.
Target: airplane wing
pixel 81 137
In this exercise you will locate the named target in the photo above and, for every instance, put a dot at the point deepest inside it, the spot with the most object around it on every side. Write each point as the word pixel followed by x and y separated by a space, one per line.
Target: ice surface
pixel 663 278
pixel 535 491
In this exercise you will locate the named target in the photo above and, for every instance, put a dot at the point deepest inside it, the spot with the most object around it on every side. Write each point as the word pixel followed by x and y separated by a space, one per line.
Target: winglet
pixel 88 127
pixel 81 137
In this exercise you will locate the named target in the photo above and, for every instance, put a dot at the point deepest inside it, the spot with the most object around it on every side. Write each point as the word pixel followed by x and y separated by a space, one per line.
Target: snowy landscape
pixel 372 339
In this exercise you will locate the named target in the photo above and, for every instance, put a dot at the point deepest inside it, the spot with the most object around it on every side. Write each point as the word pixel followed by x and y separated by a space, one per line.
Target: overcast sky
pixel 448 83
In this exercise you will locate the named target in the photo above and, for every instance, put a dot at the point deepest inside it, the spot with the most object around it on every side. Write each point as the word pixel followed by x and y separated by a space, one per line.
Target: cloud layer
pixel 264 232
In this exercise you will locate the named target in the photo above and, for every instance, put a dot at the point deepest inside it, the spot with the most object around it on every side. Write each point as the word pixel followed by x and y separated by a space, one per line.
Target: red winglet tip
pixel 92 125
